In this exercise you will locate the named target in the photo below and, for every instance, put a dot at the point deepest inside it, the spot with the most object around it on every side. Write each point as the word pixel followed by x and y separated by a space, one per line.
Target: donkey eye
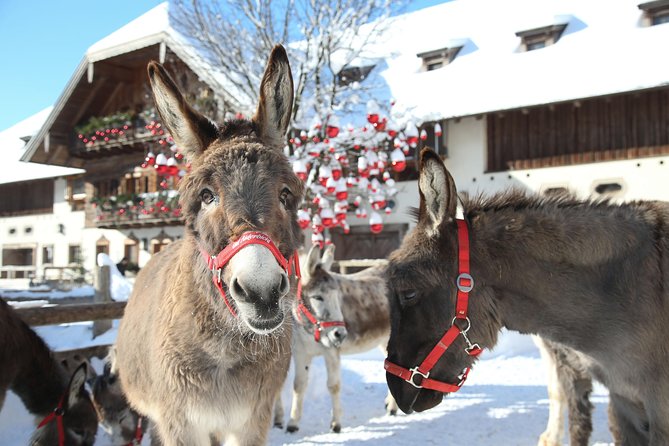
pixel 409 295
pixel 285 196
pixel 206 196
pixel 318 298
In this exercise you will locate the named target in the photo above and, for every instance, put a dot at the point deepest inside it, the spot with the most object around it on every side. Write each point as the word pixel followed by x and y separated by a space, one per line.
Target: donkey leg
pixel 302 362
pixel 333 364
pixel 553 434
pixel 629 425
pixel 255 429
pixel 173 433
pixel 278 411
pixel 576 384
pixel 391 404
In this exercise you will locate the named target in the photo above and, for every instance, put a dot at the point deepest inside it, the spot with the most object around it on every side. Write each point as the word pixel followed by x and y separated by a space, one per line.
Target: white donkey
pixel 328 298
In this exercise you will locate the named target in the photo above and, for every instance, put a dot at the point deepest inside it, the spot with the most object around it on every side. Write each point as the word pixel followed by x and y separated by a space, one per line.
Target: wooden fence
pixel 104 309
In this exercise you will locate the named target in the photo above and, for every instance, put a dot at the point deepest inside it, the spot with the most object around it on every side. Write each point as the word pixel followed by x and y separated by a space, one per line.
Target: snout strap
pixel 218 262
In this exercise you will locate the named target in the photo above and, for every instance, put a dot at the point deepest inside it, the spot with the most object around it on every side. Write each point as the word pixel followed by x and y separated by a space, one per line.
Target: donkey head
pixel 322 295
pixel 422 293
pixel 240 181
pixel 80 421
pixel 116 416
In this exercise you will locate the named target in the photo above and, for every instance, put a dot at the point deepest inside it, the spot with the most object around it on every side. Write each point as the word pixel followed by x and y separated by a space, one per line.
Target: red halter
pixel 218 262
pixel 139 434
pixel 57 413
pixel 464 283
pixel 318 325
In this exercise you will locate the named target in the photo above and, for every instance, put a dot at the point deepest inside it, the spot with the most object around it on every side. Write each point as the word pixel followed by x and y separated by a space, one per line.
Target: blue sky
pixel 42 42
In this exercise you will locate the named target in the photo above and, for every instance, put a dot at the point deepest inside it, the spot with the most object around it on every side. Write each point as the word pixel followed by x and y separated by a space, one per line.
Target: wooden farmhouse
pixel 535 94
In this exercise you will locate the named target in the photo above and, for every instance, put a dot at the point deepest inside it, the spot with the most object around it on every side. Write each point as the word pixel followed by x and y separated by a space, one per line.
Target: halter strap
pixel 217 263
pixel 56 414
pixel 139 433
pixel 318 325
pixel 464 283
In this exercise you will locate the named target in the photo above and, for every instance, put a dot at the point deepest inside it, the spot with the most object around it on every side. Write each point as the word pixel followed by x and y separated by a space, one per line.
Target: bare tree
pixel 326 41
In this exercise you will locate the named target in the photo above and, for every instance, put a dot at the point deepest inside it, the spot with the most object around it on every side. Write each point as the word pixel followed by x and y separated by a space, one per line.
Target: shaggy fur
pixel 184 360
pixel 28 368
pixel 589 275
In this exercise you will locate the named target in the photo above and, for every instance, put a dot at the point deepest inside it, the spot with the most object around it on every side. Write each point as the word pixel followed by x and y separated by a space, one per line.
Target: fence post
pixel 102 294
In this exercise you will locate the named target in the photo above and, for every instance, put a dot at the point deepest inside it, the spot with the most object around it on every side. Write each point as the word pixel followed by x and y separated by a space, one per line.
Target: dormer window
pixel 349 75
pixel 537 38
pixel 433 60
pixel 655 12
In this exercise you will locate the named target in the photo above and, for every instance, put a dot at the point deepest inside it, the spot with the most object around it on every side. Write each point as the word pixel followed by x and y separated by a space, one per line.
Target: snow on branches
pixel 350 170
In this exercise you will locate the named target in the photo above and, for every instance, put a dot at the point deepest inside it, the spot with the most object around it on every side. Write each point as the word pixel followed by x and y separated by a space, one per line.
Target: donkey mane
pixel 566 221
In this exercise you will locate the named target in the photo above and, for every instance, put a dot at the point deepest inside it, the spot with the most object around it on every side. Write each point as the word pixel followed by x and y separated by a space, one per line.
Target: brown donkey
pixel 204 353
pixel 589 275
pixel 60 401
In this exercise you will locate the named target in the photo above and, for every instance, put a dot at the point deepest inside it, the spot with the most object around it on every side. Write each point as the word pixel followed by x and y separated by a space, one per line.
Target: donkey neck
pixel 564 272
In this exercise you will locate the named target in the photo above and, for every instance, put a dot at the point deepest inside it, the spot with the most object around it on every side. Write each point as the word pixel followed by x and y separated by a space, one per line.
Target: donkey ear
pixel 76 385
pixel 191 131
pixel 313 260
pixel 328 257
pixel 438 197
pixel 276 99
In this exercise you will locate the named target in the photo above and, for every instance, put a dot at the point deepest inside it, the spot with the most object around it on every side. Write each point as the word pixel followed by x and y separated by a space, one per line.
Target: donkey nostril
pixel 284 286
pixel 237 288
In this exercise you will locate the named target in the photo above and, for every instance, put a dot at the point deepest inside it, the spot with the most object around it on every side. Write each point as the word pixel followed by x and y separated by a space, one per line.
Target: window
pixel 101 246
pixel 609 188
pixel 537 38
pixel 131 248
pixel 348 75
pixel 655 12
pixel 47 254
pixel 160 241
pixel 74 254
pixel 434 141
pixel 18 256
pixel 433 60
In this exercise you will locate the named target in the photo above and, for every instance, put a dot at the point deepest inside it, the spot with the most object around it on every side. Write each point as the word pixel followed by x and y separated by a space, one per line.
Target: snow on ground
pixel 45 292
pixel 504 402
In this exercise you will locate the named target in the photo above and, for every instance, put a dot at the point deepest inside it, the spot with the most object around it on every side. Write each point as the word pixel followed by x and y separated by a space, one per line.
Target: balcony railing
pixel 137 210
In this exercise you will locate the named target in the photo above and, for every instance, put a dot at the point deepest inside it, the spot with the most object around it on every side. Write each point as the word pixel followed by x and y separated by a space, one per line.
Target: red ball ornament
pixel 303 218
pixel 332 131
pixel 373 118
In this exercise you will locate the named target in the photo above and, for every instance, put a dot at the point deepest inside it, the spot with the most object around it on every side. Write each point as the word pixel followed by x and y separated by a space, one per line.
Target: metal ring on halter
pixel 464 288
pixel 414 371
pixel 469 324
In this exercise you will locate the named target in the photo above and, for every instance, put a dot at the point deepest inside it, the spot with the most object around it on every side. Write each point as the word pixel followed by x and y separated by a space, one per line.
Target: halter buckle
pixel 465 287
pixel 414 371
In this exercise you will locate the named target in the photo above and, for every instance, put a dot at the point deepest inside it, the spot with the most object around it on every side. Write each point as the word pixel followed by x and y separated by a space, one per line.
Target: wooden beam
pixel 63 314
pixel 84 105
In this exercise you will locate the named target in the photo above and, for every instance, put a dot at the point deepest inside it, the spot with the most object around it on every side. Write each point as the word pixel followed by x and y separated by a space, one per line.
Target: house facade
pixel 539 95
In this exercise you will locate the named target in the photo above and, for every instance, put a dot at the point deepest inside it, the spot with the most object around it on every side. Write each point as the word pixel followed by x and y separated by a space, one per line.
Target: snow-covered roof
pixel 12 146
pixel 604 50
pixel 153 27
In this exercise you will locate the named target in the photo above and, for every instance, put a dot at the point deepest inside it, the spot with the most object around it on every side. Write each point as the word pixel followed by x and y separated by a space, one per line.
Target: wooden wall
pixel 616 127
pixel 27 197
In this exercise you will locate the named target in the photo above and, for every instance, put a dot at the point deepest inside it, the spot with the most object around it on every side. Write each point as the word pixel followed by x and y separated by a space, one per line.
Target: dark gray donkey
pixel 203 348
pixel 590 275
pixel 29 368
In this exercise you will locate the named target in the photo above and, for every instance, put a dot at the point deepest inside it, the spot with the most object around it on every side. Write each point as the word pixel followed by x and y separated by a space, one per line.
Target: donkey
pixel 357 299
pixel 30 370
pixel 123 424
pixel 589 275
pixel 569 388
pixel 205 357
